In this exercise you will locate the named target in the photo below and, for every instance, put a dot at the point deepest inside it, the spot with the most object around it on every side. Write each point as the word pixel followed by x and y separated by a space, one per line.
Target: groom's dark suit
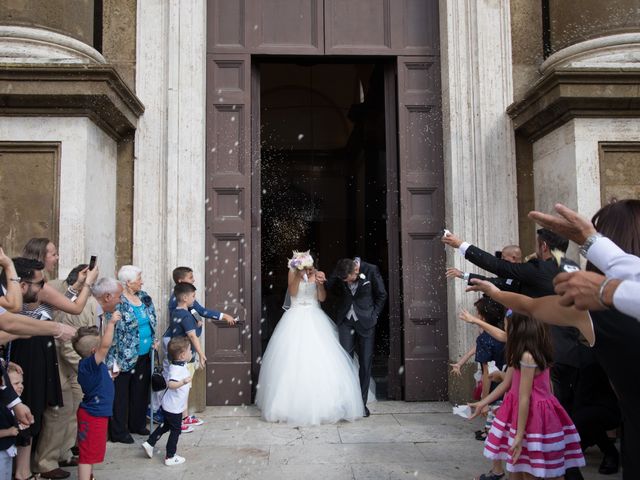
pixel 367 300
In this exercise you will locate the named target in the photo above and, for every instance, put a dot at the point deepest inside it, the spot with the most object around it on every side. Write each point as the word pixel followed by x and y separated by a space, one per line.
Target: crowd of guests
pixel 76 363
pixel 568 340
pixel 555 353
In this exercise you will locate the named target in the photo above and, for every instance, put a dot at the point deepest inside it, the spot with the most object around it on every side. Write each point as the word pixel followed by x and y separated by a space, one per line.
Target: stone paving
pixel 399 441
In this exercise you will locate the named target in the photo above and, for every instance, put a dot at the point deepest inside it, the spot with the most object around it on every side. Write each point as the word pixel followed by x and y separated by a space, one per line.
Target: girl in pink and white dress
pixel 532 433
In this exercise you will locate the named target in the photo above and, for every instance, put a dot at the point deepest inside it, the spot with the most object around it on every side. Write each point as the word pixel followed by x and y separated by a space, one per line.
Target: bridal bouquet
pixel 300 260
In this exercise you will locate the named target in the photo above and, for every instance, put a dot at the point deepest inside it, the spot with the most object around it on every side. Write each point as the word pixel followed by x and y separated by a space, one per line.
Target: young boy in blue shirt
pixel 97 386
pixel 184 276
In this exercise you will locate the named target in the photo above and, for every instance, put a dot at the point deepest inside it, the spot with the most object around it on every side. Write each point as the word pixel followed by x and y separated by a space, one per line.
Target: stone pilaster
pixel 480 182
pixel 169 178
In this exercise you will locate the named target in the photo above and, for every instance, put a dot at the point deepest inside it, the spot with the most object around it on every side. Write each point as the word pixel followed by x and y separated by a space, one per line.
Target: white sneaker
pixel 148 449
pixel 175 460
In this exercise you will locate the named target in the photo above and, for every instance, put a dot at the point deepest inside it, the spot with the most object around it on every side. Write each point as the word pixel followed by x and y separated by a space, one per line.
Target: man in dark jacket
pixel 536 280
pixel 360 293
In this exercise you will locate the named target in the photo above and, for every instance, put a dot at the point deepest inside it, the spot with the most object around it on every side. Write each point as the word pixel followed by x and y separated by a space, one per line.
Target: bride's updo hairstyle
pixel 300 260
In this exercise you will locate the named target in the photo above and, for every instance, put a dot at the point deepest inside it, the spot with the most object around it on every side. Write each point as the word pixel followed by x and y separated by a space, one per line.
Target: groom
pixel 359 292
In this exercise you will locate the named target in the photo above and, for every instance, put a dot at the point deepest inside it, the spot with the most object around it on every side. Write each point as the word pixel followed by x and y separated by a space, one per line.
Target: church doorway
pixel 326 179
pixel 326 113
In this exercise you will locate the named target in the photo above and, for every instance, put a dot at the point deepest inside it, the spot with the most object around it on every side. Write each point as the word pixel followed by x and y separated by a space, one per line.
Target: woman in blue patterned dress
pixel 129 358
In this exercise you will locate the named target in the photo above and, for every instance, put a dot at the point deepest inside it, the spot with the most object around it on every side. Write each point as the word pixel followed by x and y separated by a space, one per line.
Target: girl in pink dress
pixel 532 433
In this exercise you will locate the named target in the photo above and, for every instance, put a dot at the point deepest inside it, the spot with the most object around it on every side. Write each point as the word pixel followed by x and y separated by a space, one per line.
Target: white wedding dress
pixel 306 377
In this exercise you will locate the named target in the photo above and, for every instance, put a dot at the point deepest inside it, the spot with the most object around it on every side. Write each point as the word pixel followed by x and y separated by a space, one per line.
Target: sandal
pixel 491 476
pixel 30 477
pixel 481 435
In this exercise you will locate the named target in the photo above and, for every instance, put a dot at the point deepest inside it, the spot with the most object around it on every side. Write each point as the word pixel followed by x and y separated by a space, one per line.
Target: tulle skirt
pixel 306 377
pixel 551 443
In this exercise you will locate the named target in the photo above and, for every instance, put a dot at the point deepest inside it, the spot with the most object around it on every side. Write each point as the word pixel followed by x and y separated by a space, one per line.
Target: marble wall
pixel 87 185
pixel 566 162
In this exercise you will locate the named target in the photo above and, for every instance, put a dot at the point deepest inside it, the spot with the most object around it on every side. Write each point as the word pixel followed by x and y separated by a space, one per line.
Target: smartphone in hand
pixel 92 262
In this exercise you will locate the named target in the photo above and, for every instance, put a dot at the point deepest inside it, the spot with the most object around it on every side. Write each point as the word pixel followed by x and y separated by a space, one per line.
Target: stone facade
pixel 519 131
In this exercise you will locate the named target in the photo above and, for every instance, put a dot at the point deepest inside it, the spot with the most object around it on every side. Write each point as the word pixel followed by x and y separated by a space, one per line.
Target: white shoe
pixel 148 449
pixel 175 460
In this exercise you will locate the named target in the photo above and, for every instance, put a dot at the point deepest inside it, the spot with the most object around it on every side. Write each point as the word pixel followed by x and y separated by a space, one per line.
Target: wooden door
pixel 228 221
pixel 236 29
pixel 422 218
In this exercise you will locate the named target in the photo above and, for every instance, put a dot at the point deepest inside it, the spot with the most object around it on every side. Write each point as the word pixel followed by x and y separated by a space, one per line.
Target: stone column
pixel 479 152
pixel 169 178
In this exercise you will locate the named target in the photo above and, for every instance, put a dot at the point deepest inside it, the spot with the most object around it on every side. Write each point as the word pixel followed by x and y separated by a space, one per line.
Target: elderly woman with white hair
pixel 129 357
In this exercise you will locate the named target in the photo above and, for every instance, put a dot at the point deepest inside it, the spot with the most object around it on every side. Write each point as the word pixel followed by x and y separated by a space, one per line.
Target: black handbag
pixel 158 382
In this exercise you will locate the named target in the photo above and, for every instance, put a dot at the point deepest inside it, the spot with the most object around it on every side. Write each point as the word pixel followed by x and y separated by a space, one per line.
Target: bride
pixel 306 377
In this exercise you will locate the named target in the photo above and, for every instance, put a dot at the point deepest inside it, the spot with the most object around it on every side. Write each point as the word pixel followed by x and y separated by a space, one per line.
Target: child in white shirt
pixel 174 401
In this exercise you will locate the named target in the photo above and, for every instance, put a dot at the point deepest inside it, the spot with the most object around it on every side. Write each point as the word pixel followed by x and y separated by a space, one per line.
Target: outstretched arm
pixel 603 253
pixel 485 260
pixel 51 296
pixel 546 309
pixel 455 367
pixel 25 326
pixel 207 313
pixel 494 331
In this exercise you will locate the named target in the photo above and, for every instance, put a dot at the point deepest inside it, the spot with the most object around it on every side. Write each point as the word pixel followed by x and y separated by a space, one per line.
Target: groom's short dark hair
pixel 345 267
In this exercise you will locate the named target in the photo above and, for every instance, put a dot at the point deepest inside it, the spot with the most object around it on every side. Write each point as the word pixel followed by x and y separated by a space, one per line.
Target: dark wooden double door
pixel 247 39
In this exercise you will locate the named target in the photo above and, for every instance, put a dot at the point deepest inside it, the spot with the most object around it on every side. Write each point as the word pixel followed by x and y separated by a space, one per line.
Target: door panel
pixel 381 27
pixel 228 261
pixel 354 26
pixel 287 26
pixel 226 26
pixel 422 217
pixel 418 30
pixel 30 203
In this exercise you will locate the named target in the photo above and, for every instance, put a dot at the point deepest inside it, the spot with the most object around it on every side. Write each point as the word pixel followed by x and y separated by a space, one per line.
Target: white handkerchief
pixel 491 366
pixel 462 410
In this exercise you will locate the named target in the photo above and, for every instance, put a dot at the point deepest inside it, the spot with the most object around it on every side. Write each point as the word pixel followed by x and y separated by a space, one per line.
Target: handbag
pixel 158 382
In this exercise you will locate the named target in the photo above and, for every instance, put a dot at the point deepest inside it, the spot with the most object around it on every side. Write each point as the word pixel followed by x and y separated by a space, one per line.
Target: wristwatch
pixel 15 279
pixel 584 248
